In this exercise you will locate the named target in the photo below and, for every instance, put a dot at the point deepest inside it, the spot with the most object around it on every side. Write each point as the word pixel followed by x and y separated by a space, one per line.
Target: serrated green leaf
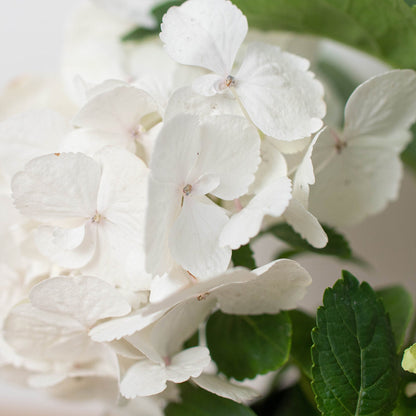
pixel 409 154
pixel 300 353
pixel 384 28
pixel 355 368
pixel 245 346
pixel 244 257
pixel 337 244
pixel 198 402
pixel 398 304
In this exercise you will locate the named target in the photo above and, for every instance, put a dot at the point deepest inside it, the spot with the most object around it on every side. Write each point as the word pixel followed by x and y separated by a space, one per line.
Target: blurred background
pixel 31 35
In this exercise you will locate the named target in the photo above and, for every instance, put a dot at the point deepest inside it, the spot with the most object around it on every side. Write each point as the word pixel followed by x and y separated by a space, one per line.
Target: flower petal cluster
pixel 273 87
pixel 127 208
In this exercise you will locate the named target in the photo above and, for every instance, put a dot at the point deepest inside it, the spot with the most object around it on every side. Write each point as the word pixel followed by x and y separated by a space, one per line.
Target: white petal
pixel 45 336
pixel 384 106
pixel 164 204
pixel 121 327
pixel 29 135
pixel 185 100
pixel 179 324
pixel 188 363
pixel 279 94
pixel 208 85
pixel 361 177
pixel 230 149
pixel 144 378
pixel 202 290
pixel 304 175
pixel 224 388
pixel 205 34
pixel 123 189
pixel 291 147
pixel 194 238
pixel 86 299
pixel 116 114
pixel 305 224
pixel 279 285
pixel 68 247
pixel 164 286
pixel 271 200
pixel 176 150
pixel 58 186
pixel 272 167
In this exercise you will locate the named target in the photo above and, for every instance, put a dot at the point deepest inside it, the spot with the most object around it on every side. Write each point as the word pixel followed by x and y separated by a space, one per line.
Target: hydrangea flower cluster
pixel 124 215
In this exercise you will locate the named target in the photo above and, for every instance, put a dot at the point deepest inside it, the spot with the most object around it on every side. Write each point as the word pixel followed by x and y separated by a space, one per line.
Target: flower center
pixel 137 132
pixel 187 189
pixel 96 218
pixel 230 81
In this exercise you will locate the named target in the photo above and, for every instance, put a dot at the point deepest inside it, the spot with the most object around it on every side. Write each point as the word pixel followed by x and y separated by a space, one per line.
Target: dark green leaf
pixel 245 346
pixel 398 304
pixel 193 341
pixel 302 325
pixel 406 406
pixel 384 28
pixel 198 402
pixel 409 154
pixel 244 257
pixel 355 369
pixel 159 11
pixel 337 245
pixel 289 402
pixel 139 33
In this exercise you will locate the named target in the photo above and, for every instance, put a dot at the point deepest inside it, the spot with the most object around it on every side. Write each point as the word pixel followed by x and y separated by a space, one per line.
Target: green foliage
pixel 355 369
pixel 244 257
pixel 398 304
pixel 384 28
pixel 302 325
pixel 289 402
pixel 140 33
pixel 337 244
pixel 245 346
pixel 198 402
pixel 409 154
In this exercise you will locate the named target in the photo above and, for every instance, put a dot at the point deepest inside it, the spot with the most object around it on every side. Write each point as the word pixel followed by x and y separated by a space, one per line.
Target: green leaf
pixel 244 257
pixel 198 402
pixel 288 402
pixel 398 304
pixel 409 154
pixel 406 406
pixel 245 346
pixel 159 10
pixel 302 325
pixel 384 28
pixel 139 33
pixel 355 369
pixel 337 244
pixel 193 341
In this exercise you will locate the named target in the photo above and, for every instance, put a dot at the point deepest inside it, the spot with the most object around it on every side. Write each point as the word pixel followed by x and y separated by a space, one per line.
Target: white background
pixel 31 32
